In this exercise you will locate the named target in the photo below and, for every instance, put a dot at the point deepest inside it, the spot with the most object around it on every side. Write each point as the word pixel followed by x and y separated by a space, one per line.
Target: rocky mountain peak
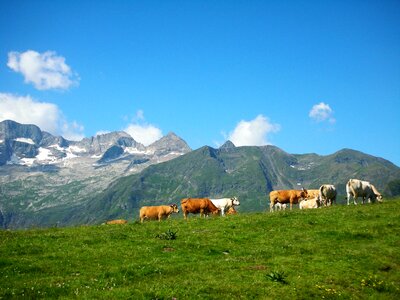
pixel 11 130
pixel 27 145
pixel 98 144
pixel 170 143
pixel 227 145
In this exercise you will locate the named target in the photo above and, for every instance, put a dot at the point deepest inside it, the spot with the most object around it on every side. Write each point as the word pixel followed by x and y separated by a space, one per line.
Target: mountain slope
pixel 41 173
pixel 48 180
pixel 247 172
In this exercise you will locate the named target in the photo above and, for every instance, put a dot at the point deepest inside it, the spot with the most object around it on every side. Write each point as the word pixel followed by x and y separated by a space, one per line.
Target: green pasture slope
pixel 336 252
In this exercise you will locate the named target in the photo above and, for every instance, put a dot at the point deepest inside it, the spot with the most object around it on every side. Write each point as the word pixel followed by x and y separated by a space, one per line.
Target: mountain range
pixel 48 181
pixel 39 171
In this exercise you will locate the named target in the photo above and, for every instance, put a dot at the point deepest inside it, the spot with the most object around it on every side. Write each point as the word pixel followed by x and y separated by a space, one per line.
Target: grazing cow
pixel 312 194
pixel 327 194
pixel 358 188
pixel 119 221
pixel 286 196
pixel 280 206
pixel 157 212
pixel 204 206
pixel 225 204
pixel 379 196
pixel 310 203
pixel 231 211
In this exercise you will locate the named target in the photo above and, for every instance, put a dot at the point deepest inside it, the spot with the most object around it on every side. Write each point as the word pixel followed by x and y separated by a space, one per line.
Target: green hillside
pixel 340 252
pixel 249 173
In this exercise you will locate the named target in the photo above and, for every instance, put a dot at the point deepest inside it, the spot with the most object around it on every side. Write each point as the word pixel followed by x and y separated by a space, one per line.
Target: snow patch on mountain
pixel 25 140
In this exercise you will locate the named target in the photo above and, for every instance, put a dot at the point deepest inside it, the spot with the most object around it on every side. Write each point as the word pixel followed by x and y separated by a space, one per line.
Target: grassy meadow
pixel 335 252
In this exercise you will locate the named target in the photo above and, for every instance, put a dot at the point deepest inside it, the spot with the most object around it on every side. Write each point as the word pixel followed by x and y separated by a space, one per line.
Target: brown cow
pixel 119 221
pixel 157 212
pixel 231 211
pixel 286 196
pixel 204 206
pixel 311 194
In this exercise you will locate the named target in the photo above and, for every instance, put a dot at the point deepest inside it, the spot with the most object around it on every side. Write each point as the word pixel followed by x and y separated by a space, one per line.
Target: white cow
pixel 280 206
pixel 358 188
pixel 327 194
pixel 310 203
pixel 225 204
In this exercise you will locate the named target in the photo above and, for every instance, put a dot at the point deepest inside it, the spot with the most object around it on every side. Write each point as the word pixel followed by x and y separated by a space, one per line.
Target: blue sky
pixel 306 76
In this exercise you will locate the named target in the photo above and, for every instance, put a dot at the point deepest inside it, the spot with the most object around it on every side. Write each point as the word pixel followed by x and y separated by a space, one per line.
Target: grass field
pixel 336 252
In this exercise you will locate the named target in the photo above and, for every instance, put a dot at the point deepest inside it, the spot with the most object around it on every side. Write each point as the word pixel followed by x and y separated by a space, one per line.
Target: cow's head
pixel 379 197
pixel 303 193
pixel 174 208
pixel 235 201
pixel 216 212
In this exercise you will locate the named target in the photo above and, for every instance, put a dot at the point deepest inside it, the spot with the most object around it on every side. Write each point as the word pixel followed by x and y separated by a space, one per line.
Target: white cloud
pixel 26 110
pixel 322 112
pixel 142 132
pixel 44 70
pixel 254 132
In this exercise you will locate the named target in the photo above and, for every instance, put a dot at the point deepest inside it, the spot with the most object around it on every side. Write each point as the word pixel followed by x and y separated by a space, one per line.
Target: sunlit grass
pixel 336 252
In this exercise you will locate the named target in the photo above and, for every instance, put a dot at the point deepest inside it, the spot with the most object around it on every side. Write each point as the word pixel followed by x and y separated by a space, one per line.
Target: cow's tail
pixel 320 191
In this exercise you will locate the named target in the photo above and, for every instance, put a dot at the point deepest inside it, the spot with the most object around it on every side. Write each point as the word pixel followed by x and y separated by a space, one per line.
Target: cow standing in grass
pixel 157 212
pixel 204 206
pixel 327 194
pixel 280 206
pixel 286 196
pixel 358 188
pixel 225 204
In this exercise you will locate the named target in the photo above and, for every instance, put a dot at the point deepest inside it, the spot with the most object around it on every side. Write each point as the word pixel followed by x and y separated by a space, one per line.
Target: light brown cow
pixel 119 221
pixel 231 211
pixel 312 194
pixel 157 212
pixel 204 206
pixel 286 196
pixel 310 203
pixel 358 188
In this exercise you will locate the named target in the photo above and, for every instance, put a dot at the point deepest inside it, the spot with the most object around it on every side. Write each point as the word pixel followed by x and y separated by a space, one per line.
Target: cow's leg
pixel 271 205
pixel 291 204
pixel 222 211
pixel 355 199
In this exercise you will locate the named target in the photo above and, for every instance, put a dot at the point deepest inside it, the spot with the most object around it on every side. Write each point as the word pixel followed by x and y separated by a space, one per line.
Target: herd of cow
pixel 324 196
pixel 204 206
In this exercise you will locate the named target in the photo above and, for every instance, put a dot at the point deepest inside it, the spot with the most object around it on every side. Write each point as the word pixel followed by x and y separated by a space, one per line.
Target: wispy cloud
pixel 26 110
pixel 44 70
pixel 322 112
pixel 254 132
pixel 141 131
